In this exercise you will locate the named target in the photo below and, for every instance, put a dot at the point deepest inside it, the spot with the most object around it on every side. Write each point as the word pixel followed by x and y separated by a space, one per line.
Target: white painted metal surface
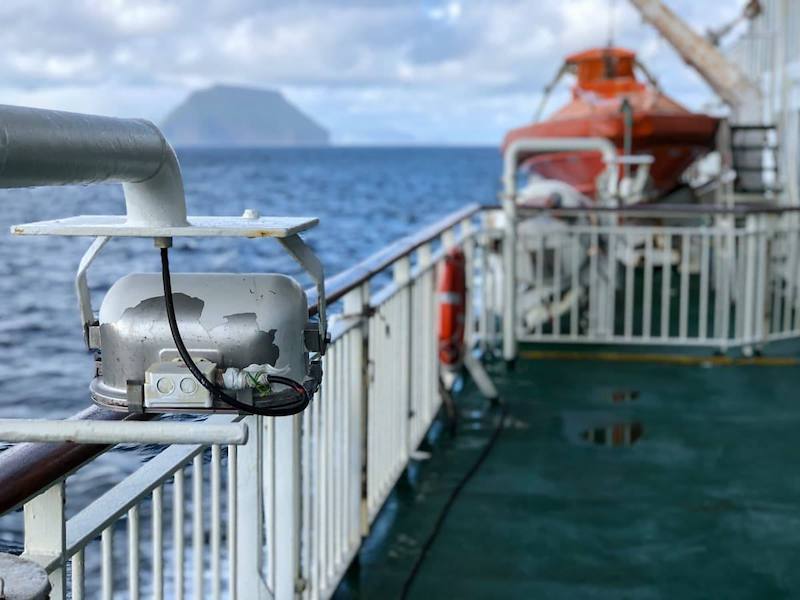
pixel 121 432
pixel 725 284
pixel 118 226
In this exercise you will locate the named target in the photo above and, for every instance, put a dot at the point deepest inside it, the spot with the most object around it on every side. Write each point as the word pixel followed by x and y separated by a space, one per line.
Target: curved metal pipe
pixel 575 144
pixel 46 147
pixel 510 164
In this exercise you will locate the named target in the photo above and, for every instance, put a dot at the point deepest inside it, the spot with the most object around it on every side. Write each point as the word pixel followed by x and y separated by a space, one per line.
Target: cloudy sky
pixel 372 71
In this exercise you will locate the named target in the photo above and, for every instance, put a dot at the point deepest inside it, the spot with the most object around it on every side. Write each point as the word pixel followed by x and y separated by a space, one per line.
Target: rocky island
pixel 226 116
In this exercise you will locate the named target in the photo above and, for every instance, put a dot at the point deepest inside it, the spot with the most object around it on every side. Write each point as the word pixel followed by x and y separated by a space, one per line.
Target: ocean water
pixel 364 198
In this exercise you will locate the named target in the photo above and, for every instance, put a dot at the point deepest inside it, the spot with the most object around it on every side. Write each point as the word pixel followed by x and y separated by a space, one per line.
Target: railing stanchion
pixel 178 532
pixel 702 328
pixel 510 279
pixel 133 553
pixel 107 563
pixel 157 524
pixel 287 506
pixel 216 521
pixel 683 307
pixel 467 242
pixel 750 284
pixel 762 275
pixel 233 521
pixel 198 529
pixel 402 279
pixel 45 535
pixel 356 303
pixel 249 514
pixel 483 319
pixel 77 576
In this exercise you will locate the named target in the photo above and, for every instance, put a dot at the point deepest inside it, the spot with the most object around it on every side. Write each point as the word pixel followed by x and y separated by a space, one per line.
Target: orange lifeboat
pixel 661 127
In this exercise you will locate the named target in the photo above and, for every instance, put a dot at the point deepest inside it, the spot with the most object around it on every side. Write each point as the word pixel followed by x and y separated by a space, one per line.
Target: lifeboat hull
pixel 674 141
pixel 606 85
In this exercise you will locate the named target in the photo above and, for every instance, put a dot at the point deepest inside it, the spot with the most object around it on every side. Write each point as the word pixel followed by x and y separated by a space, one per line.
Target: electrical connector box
pixel 172 385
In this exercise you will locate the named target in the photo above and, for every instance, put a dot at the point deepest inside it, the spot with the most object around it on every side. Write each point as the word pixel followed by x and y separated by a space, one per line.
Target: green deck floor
pixel 706 504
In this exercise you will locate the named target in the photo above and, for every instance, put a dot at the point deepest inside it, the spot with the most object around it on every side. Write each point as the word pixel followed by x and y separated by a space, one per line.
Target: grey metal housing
pixel 234 320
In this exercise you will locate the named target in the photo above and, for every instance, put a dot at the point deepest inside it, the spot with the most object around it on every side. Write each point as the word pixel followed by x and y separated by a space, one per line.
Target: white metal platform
pixel 117 226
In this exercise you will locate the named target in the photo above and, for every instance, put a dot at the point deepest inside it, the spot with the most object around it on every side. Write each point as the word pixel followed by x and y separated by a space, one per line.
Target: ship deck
pixel 571 504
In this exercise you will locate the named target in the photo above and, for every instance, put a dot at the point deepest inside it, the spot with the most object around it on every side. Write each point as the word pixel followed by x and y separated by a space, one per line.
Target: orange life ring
pixel 452 297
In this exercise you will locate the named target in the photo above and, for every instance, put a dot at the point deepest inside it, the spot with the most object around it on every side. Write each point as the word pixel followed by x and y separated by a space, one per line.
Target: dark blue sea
pixel 364 198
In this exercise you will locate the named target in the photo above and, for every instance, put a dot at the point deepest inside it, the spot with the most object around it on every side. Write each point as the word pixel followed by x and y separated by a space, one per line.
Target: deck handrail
pixel 348 280
pixel 663 210
pixel 29 468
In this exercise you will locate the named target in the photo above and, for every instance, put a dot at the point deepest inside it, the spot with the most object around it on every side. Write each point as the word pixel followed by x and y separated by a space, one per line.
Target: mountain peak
pixel 226 115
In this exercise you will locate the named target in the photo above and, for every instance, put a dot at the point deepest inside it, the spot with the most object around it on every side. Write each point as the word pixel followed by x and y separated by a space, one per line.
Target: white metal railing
pixel 728 281
pixel 607 186
pixel 284 513
pixel 156 492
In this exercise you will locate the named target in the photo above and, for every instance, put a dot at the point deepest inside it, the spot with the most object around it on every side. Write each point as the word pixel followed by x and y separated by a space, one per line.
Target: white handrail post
pixel 402 279
pixel 510 256
pixel 511 158
pixel 46 535
pixel 250 516
pixel 286 488
pixel 356 304
pixel 763 275
pixel 468 243
pixel 750 284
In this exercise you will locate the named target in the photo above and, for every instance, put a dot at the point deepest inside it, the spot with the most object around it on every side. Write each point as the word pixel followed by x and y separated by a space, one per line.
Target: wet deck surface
pixel 612 479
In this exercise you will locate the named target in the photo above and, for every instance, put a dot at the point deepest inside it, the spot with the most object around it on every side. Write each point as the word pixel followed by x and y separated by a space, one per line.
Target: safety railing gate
pixel 708 277
pixel 283 514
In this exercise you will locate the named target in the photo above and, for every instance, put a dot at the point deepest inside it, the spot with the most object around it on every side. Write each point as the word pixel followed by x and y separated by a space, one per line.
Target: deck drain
pixel 616 436
pixel 620 396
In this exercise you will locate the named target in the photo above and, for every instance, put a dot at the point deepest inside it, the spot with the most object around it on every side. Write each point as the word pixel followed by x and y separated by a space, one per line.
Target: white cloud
pixel 58 67
pixel 426 70
pixel 136 16
pixel 448 12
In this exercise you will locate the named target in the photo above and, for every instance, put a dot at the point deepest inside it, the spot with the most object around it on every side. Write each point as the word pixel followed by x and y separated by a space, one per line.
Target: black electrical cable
pixel 487 449
pixel 298 401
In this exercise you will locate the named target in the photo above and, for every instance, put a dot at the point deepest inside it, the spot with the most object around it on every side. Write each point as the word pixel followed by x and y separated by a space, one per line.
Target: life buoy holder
pixel 452 297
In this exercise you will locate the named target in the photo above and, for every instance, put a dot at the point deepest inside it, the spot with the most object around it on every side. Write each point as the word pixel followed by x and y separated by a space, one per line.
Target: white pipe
pixel 121 432
pixel 48 147
pixel 566 144
pixel 510 165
